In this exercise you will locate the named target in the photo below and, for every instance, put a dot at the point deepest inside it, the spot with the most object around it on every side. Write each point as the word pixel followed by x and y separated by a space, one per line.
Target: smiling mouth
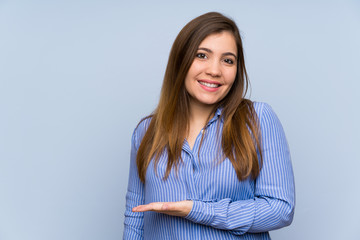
pixel 210 85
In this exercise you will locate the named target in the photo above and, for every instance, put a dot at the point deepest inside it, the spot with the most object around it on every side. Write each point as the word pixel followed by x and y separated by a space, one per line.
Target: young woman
pixel 208 163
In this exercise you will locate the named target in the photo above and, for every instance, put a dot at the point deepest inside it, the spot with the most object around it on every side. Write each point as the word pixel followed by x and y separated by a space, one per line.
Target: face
pixel 213 70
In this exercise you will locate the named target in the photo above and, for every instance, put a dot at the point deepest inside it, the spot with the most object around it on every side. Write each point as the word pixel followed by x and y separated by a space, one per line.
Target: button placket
pixel 188 159
pixel 192 163
pixel 196 161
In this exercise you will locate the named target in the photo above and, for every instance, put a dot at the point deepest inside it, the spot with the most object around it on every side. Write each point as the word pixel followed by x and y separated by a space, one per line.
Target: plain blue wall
pixel 77 76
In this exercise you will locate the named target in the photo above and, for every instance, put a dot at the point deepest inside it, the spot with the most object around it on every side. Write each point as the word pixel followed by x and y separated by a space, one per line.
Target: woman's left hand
pixel 180 209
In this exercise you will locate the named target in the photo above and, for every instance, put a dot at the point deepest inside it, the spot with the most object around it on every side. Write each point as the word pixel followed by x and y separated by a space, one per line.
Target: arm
pixel 273 205
pixel 134 223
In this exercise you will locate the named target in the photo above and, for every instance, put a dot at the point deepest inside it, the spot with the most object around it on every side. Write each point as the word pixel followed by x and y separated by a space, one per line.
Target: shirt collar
pixel 216 116
pixel 218 111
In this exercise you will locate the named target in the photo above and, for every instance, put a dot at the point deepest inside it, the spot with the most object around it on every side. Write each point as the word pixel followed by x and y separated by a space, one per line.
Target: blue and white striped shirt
pixel 224 207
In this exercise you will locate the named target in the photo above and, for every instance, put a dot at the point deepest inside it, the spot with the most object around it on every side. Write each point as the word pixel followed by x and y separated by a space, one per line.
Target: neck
pixel 200 113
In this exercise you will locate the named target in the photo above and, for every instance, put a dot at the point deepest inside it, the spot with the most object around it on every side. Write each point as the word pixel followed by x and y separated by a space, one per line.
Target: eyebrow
pixel 224 54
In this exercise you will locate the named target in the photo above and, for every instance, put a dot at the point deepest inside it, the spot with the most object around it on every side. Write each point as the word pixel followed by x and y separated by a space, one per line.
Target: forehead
pixel 223 41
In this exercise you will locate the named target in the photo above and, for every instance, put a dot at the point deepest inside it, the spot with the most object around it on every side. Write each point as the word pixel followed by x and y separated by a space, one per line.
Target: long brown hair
pixel 170 121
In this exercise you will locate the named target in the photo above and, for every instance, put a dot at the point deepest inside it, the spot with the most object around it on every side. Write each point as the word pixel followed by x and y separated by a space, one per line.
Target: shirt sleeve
pixel 274 198
pixel 134 221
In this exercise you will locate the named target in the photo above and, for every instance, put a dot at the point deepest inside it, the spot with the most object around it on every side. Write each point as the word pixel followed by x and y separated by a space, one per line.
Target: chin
pixel 209 103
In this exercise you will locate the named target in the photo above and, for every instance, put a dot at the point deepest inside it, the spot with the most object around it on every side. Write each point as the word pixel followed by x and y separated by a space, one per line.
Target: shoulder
pixel 271 128
pixel 262 108
pixel 267 116
pixel 140 131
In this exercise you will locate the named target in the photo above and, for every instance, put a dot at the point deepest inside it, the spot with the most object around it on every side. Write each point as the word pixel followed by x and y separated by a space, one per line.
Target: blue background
pixel 77 76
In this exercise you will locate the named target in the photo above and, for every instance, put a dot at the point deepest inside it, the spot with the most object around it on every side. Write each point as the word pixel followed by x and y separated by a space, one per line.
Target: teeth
pixel 212 85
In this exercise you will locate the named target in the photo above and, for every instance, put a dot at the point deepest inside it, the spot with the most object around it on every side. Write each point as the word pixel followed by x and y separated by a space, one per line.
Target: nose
pixel 213 69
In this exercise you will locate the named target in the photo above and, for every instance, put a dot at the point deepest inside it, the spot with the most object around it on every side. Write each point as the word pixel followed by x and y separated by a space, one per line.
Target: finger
pixel 155 206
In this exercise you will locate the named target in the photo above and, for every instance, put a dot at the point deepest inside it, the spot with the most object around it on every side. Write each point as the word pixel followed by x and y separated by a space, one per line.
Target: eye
pixel 201 55
pixel 229 61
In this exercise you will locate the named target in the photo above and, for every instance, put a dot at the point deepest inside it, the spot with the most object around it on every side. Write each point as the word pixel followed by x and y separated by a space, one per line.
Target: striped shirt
pixel 223 206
